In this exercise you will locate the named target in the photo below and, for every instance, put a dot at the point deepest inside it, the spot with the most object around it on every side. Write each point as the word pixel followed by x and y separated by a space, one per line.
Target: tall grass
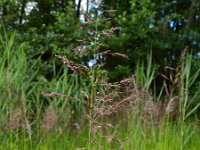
pixel 22 106
pixel 145 74
pixel 188 79
pixel 167 136
pixel 31 121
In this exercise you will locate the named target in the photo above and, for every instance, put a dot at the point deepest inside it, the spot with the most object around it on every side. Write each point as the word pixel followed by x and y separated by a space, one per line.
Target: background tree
pixel 163 27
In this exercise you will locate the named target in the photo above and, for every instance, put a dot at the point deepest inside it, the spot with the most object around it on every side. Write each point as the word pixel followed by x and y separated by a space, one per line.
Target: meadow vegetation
pixel 80 103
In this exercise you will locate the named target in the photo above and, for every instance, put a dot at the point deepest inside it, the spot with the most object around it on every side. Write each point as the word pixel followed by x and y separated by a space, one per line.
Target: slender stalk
pixel 93 85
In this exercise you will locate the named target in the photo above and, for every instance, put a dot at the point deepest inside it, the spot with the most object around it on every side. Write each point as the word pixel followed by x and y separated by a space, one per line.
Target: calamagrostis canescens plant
pixel 98 98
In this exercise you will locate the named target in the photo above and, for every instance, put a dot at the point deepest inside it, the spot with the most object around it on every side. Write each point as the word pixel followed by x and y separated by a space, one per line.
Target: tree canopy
pixel 50 27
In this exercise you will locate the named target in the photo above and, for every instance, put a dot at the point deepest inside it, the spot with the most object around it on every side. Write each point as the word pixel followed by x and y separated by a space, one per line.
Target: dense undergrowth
pixel 83 111
pixel 30 121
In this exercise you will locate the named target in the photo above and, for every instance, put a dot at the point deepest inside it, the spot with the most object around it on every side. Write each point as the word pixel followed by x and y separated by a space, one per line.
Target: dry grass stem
pixel 71 65
pixel 105 52
pixel 172 107
pixel 120 55
pixel 110 11
pixel 53 94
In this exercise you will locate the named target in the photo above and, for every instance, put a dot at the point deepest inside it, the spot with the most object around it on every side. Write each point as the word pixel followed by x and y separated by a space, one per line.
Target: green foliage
pixel 162 27
pixel 119 72
pixel 130 136
pixel 187 81
pixel 21 86
pixel 145 74
pixel 29 69
pixel 166 136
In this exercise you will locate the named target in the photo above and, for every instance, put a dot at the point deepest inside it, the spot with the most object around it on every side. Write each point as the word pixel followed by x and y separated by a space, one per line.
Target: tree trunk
pixel 192 11
pixel 87 9
pixel 78 8
pixel 165 26
pixel 22 11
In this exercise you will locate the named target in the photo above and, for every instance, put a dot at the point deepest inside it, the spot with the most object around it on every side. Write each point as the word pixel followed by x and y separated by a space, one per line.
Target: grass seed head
pixel 50 119
pixel 16 119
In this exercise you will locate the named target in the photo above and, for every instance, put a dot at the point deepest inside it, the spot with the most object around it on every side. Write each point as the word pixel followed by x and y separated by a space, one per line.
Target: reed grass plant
pixel 41 114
